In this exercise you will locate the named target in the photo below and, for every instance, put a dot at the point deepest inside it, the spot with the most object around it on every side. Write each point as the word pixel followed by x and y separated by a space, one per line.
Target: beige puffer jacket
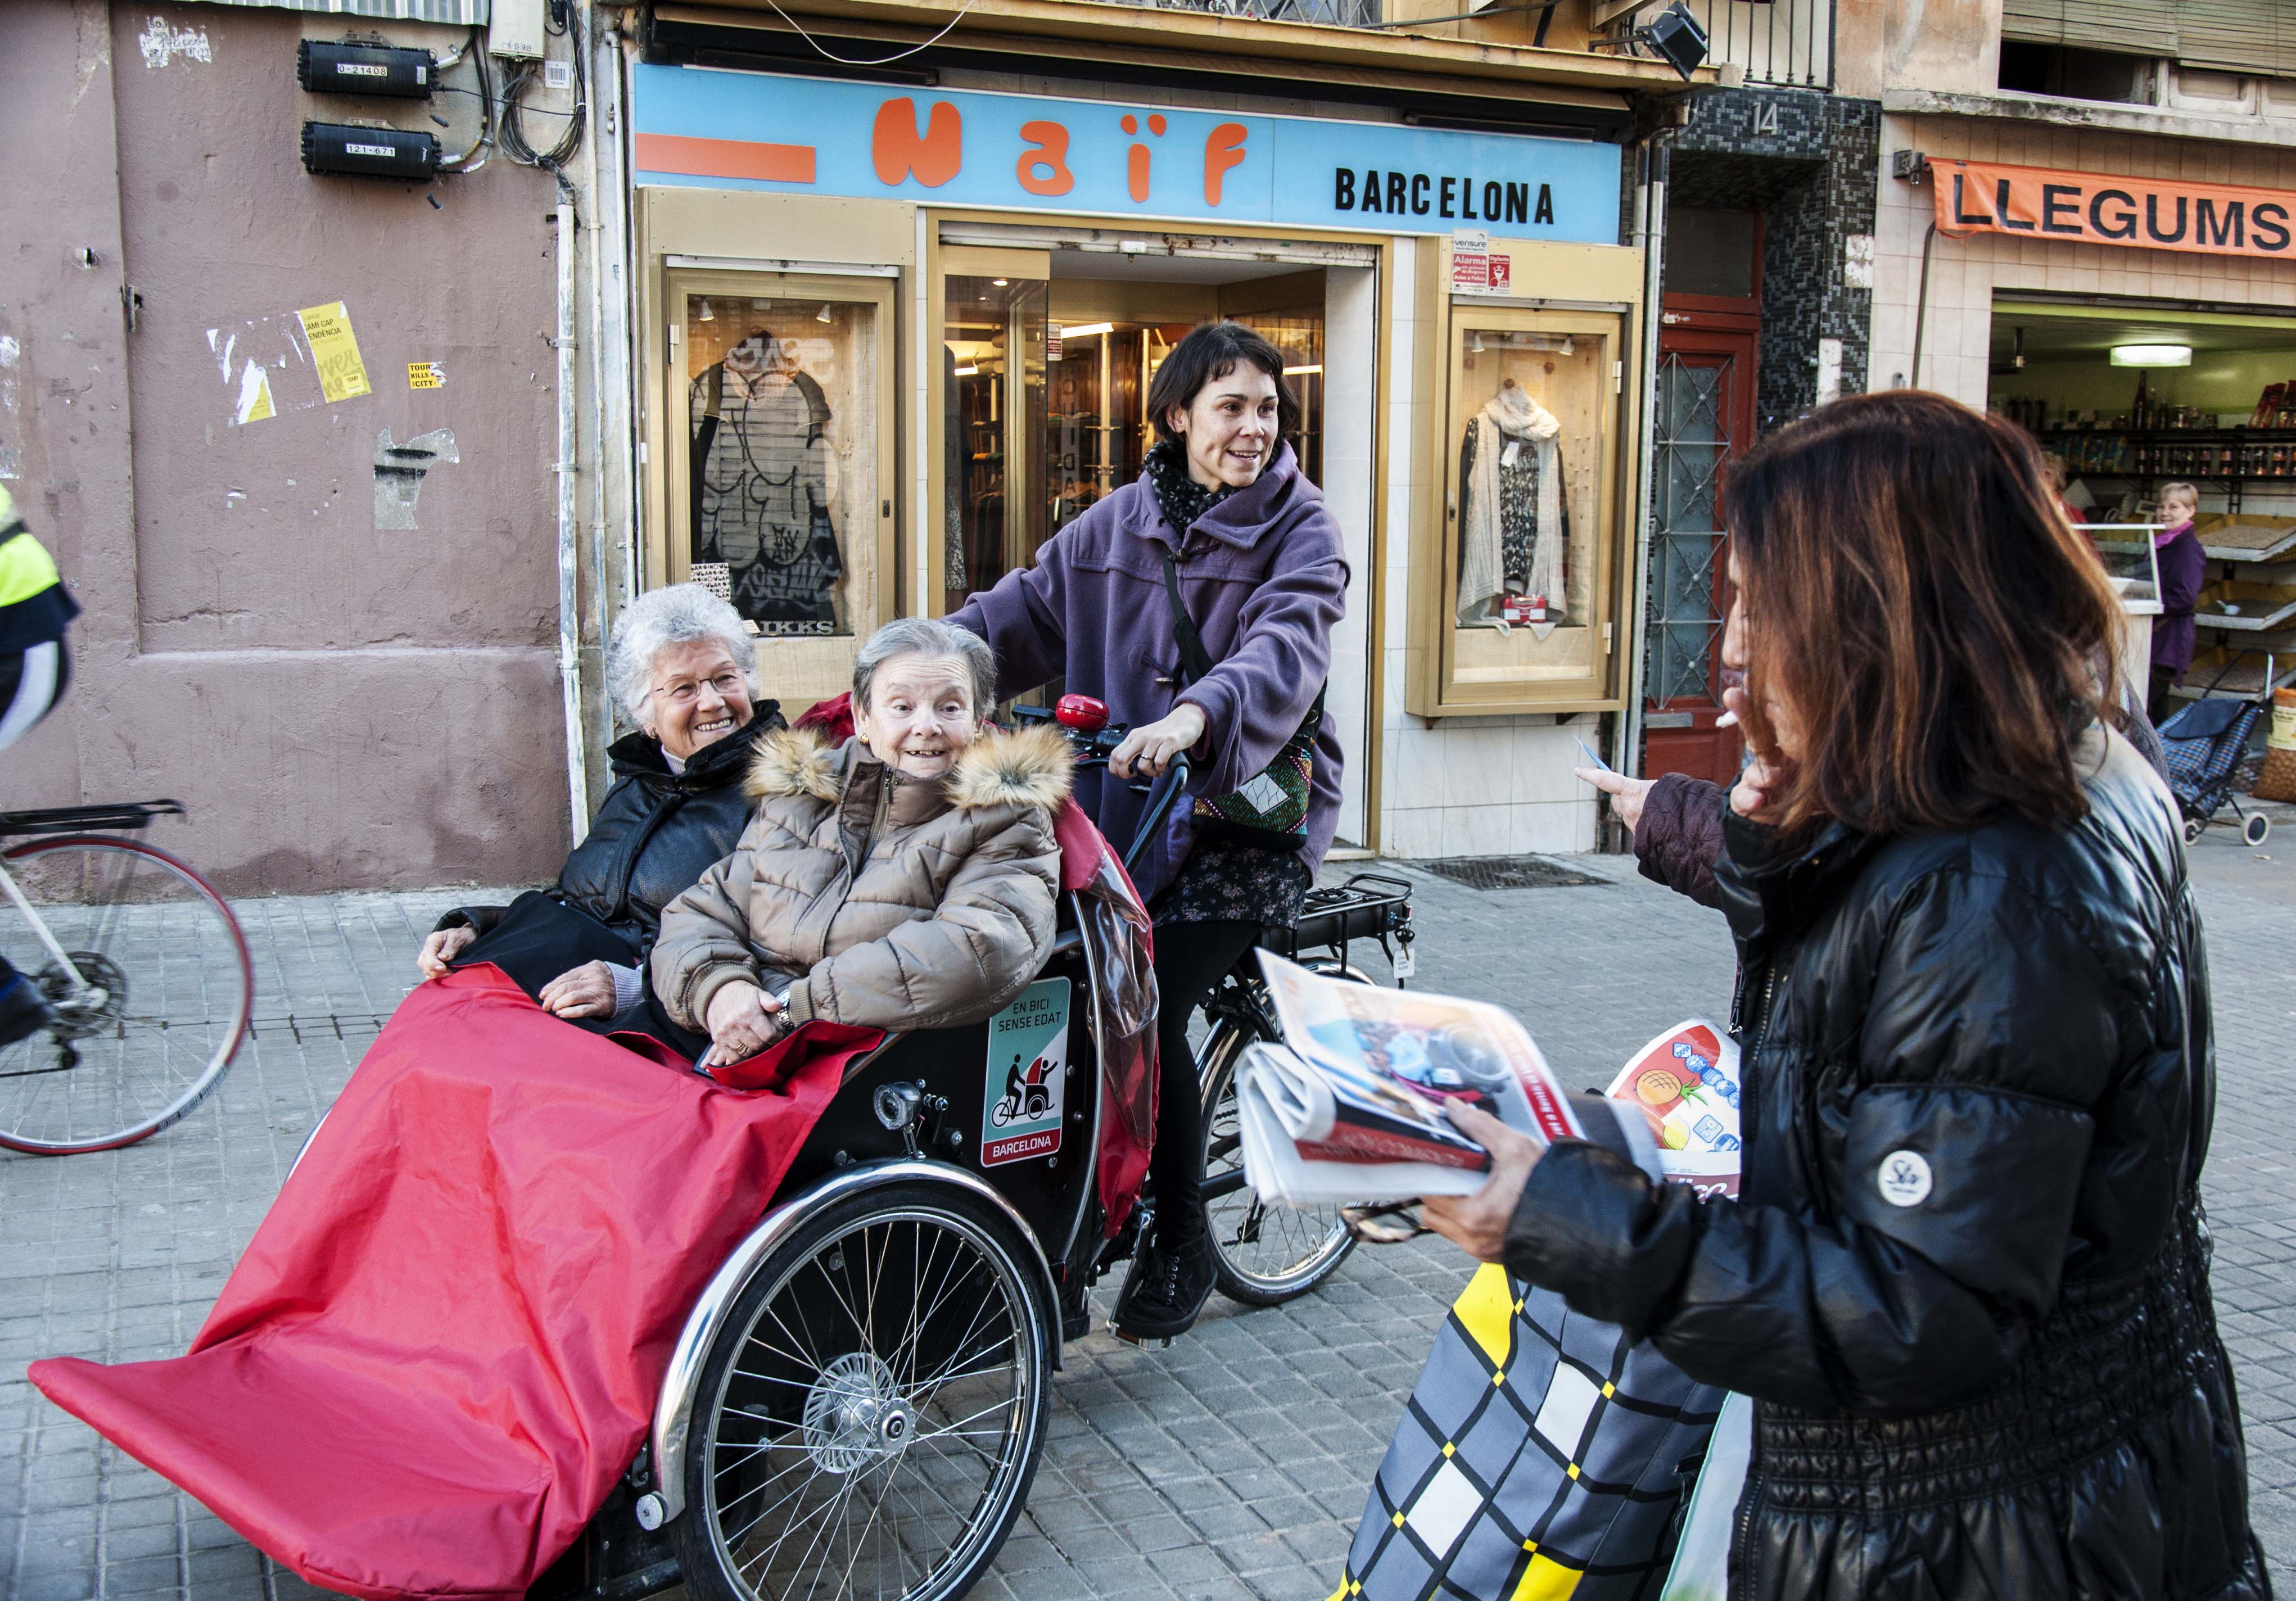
pixel 897 902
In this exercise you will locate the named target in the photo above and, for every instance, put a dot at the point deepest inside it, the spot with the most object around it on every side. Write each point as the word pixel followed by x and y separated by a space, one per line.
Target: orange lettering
pixel 1043 167
pixel 899 152
pixel 1222 152
pixel 1136 171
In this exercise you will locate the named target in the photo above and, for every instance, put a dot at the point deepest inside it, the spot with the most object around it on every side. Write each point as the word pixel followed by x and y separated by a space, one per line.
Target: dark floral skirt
pixel 1226 881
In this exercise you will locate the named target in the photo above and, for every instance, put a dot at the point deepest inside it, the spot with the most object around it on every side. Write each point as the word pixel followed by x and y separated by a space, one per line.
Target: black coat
pixel 655 834
pixel 1966 1281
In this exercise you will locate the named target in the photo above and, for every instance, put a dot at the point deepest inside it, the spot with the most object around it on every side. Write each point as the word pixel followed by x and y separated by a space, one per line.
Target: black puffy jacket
pixel 1966 1281
pixel 656 832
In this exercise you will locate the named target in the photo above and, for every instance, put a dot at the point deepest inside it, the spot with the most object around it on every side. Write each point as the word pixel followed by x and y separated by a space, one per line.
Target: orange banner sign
pixel 2096 207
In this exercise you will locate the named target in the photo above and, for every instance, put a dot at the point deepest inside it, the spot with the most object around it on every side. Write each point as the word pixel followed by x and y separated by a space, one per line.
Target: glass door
pixel 1705 417
pixel 993 361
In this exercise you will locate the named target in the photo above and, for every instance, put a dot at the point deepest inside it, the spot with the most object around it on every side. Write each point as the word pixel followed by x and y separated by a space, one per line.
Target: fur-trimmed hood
pixel 1032 768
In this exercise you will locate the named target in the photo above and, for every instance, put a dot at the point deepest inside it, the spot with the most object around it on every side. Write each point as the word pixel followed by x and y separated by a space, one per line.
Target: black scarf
pixel 1181 498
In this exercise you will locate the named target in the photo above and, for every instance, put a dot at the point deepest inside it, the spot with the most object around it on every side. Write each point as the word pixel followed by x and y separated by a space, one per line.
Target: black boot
pixel 1172 1276
pixel 21 1010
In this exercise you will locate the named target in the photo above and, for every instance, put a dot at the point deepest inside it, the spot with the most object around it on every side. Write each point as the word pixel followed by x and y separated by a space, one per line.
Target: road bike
pixel 141 962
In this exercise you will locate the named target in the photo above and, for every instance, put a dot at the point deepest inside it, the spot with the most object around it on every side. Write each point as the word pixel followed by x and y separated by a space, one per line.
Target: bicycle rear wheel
pixel 172 988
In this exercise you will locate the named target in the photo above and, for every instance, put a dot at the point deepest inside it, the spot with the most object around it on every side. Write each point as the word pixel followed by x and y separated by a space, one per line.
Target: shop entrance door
pixel 1705 416
pixel 1052 341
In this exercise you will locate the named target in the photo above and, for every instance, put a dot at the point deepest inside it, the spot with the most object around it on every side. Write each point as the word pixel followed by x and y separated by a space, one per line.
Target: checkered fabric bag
pixel 1543 1455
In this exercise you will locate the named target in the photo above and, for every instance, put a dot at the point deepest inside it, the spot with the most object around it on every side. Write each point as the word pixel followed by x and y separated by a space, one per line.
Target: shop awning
pixel 1186 41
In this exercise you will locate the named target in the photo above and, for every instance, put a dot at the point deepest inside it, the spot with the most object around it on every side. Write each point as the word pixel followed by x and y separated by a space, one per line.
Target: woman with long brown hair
pixel 1966 1282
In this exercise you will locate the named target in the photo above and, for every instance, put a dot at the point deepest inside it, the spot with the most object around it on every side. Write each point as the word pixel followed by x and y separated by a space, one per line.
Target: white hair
pixel 659 618
pixel 927 637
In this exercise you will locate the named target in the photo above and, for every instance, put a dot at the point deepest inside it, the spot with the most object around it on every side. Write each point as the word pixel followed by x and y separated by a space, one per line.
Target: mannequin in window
pixel 1513 521
pixel 760 486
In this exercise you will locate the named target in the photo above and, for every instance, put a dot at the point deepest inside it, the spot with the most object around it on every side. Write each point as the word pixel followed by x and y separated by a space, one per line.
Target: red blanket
pixel 445 1339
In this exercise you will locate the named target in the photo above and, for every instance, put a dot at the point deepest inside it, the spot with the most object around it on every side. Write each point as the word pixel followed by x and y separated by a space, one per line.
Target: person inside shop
pixel 2183 568
pixel 681 669
pixel 1198 601
pixel 1966 1281
pixel 904 878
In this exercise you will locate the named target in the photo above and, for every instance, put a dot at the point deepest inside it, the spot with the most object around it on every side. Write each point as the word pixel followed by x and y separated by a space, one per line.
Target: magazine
pixel 1687 1083
pixel 1350 1107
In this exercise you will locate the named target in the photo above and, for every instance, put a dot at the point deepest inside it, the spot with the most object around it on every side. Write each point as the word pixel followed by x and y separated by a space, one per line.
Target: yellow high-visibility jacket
pixel 35 606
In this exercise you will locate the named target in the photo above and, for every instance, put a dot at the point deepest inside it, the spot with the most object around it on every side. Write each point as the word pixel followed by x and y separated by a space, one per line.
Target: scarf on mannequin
pixel 1511 421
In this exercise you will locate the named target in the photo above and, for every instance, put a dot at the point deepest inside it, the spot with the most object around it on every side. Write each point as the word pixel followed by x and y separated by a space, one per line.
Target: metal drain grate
pixel 1509 873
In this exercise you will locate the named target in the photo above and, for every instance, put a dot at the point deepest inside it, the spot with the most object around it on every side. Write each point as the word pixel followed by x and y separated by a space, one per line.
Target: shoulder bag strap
pixel 1195 661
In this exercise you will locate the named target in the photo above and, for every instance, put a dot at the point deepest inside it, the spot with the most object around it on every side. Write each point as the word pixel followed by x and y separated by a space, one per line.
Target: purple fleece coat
pixel 1262 574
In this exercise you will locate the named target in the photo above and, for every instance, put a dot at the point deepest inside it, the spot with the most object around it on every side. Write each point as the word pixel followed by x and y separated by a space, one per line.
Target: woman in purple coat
pixel 1259 571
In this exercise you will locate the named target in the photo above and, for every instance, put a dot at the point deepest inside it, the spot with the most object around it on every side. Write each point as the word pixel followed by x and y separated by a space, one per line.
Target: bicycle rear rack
pixel 125 815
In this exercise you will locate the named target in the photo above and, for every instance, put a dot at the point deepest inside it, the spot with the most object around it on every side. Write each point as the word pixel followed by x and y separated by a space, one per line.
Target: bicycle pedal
pixel 1145 1341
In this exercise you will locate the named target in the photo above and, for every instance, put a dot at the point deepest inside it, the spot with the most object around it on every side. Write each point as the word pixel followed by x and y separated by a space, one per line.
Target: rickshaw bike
pixel 859 1397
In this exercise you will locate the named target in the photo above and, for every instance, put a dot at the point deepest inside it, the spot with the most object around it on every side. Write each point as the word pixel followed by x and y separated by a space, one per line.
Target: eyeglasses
pixel 729 684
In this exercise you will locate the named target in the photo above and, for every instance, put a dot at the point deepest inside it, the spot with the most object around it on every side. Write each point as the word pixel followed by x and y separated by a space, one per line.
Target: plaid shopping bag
pixel 1543 1455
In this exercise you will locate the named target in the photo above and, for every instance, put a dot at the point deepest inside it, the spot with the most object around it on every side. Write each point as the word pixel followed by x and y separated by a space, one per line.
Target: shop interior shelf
pixel 2176 436
pixel 2250 539
pixel 2252 617
pixel 2254 675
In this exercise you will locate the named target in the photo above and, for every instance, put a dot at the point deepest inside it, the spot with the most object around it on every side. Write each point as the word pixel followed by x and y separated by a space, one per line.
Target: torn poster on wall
pixel 291 362
pixel 398 470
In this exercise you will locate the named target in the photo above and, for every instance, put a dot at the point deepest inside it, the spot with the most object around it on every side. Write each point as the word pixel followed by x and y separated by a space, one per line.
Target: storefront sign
pixel 955 147
pixel 2094 208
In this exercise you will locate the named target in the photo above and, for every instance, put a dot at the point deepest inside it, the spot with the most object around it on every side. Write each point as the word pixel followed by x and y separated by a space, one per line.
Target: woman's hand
pixel 584 992
pixel 441 947
pixel 743 1020
pixel 1764 772
pixel 1627 794
pixel 1152 746
pixel 1477 1224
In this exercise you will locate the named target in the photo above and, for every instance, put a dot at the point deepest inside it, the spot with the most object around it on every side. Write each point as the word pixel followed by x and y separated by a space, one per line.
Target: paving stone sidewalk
pixel 1232 1465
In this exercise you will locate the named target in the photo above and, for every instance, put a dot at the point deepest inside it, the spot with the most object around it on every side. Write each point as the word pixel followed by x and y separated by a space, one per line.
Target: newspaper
pixel 1687 1083
pixel 1350 1107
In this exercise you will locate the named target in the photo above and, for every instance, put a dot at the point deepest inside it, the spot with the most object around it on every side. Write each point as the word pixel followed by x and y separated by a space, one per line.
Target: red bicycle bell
pixel 1082 713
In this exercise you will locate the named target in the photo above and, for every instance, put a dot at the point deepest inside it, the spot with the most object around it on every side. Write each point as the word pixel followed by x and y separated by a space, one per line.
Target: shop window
pixel 2027 68
pixel 1529 567
pixel 781 477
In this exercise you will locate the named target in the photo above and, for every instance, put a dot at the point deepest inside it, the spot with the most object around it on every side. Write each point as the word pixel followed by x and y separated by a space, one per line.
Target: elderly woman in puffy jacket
pixel 906 879
pixel 1966 1281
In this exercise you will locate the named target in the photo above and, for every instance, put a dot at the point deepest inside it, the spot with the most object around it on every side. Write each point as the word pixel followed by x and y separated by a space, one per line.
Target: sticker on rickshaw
pixel 1023 1103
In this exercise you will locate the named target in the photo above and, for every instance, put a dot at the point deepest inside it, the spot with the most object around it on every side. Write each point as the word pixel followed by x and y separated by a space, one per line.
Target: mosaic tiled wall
pixel 1810 162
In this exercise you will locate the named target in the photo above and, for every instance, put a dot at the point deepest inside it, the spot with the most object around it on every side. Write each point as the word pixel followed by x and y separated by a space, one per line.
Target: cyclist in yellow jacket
pixel 35 610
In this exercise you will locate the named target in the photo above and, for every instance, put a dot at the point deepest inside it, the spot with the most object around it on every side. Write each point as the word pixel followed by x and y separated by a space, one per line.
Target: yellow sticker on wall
pixel 342 376
pixel 425 375
pixel 255 402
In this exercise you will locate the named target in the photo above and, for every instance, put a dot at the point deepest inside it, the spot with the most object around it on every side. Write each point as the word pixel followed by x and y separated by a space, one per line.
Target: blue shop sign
pixel 955 147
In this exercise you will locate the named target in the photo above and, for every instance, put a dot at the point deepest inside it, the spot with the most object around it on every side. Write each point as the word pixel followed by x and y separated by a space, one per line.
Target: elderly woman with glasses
pixel 680 668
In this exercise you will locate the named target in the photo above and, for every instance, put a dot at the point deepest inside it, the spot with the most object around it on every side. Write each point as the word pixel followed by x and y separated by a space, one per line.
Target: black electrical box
pixel 383 153
pixel 325 69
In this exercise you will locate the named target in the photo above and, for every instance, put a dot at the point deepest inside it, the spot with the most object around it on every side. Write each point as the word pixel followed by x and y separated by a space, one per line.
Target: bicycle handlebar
pixel 1095 746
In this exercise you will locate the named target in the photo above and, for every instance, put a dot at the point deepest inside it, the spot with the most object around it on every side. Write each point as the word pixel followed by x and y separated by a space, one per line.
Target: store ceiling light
pixel 2152 356
pixel 702 314
pixel 823 315
pixel 1086 330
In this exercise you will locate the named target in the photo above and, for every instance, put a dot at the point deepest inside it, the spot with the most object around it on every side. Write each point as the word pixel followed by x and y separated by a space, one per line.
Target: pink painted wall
pixel 340 704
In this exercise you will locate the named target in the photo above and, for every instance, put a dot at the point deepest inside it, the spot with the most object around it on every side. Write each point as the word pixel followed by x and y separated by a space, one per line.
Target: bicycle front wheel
pixel 167 987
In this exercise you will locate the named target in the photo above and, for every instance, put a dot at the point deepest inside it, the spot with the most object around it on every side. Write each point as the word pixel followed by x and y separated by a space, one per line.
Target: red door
pixel 1705 405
